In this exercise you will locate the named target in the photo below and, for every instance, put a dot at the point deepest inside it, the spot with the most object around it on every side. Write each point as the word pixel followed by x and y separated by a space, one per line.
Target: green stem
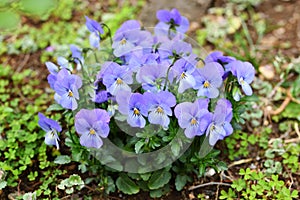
pixel 168 71
pixel 109 33
pixel 85 50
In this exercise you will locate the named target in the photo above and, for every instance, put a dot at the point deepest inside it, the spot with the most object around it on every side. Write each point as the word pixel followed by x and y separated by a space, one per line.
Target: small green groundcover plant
pixel 143 103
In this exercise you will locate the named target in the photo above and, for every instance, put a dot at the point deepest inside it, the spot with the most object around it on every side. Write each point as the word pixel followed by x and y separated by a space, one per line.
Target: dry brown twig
pixel 208 184
pixel 239 162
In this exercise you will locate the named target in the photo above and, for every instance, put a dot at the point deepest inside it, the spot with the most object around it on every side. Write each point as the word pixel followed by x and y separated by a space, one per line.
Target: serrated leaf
pixel 126 185
pixel 62 159
pixel 159 179
pixel 160 192
pixel 55 107
pixel 146 176
pixel 180 181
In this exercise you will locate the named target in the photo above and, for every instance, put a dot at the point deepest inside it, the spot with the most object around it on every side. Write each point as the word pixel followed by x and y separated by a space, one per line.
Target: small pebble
pixel 210 172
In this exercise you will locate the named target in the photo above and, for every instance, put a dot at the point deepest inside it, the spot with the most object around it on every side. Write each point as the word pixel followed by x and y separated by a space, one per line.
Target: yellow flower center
pixel 123 41
pixel 70 94
pixel 206 84
pixel 193 121
pixel 92 131
pixel 136 111
pixel 119 81
pixel 159 110
pixel 242 80
pixel 183 75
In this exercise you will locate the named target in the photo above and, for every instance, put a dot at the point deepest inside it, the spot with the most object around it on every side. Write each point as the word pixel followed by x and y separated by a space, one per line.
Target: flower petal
pixel 91 141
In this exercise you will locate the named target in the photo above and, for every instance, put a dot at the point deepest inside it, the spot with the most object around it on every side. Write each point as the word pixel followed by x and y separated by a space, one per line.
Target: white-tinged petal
pixel 91 141
pixel 247 88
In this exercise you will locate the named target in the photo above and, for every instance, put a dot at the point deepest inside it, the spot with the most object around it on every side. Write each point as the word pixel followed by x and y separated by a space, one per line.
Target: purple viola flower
pixel 217 56
pixel 193 117
pixel 184 69
pixel 245 72
pixel 171 22
pixel 92 125
pixel 64 63
pixel 100 96
pixel 66 88
pixel 51 127
pixel 93 26
pixel 53 69
pixel 77 55
pixel 134 106
pixel 160 107
pixel 220 126
pixel 152 76
pixel 138 59
pixel 128 37
pixel 174 50
pixel 208 80
pixel 116 78
pixel 96 30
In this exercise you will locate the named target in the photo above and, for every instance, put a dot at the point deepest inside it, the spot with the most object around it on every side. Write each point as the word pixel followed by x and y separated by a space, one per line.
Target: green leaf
pixel 138 146
pixel 8 20
pixel 175 148
pixel 294 194
pixel 62 159
pixel 180 181
pixel 292 111
pixel 38 8
pixel 55 107
pixel 126 185
pixel 3 184
pixel 159 179
pixel 159 192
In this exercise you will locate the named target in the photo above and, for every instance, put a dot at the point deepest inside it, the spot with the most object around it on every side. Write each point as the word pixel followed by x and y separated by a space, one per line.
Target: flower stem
pixel 168 71
pixel 109 33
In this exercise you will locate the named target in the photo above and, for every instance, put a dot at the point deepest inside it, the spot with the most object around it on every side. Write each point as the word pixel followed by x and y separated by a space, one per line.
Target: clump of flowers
pixel 147 79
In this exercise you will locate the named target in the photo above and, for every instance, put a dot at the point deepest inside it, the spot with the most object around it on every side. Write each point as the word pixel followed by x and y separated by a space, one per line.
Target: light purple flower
pixel 134 106
pixel 217 56
pixel 184 69
pixel 128 37
pixel 64 63
pixel 93 26
pixel 193 117
pixel 66 88
pixel 100 96
pixel 160 107
pixel 77 55
pixel 174 50
pixel 51 127
pixel 92 125
pixel 96 30
pixel 138 59
pixel 116 78
pixel 220 126
pixel 245 72
pixel 53 69
pixel 208 80
pixel 171 22
pixel 152 76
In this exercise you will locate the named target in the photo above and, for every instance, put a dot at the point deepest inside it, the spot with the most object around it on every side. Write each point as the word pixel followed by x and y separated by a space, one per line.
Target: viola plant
pixel 149 103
